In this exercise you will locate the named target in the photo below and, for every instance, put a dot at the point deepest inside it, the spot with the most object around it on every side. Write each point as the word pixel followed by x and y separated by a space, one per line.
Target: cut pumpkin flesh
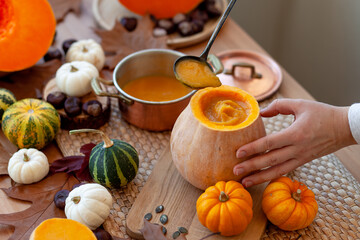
pixel 27 28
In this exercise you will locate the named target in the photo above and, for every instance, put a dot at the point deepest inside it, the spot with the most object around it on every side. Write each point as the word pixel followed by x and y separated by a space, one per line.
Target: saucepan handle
pixel 95 84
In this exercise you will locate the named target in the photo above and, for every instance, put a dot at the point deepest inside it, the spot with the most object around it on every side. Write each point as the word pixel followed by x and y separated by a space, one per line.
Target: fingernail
pixel 248 184
pixel 239 171
pixel 241 154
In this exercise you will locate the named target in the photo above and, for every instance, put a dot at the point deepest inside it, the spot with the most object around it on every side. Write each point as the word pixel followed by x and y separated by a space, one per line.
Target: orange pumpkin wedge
pixel 289 204
pixel 208 132
pixel 225 207
pixel 27 28
pixel 160 8
pixel 62 228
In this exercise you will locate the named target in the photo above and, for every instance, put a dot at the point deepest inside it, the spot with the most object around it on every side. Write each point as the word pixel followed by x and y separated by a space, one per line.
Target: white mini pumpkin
pixel 89 204
pixel 28 166
pixel 86 50
pixel 74 78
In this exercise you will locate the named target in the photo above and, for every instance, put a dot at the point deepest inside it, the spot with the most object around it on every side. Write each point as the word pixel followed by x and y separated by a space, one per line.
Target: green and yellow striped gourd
pixel 30 123
pixel 6 99
pixel 113 163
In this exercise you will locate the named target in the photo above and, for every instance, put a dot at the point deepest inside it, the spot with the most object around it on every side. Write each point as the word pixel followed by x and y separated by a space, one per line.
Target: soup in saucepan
pixel 156 88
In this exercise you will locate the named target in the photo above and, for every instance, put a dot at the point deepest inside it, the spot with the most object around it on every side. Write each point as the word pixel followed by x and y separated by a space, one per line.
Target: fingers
pixel 269 159
pixel 261 145
pixel 280 106
pixel 270 173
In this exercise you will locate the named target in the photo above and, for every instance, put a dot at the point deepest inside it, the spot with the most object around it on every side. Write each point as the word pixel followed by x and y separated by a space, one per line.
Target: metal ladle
pixel 204 55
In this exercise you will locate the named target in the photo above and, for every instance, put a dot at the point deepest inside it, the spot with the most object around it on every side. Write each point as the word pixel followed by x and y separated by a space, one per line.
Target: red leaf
pixel 79 165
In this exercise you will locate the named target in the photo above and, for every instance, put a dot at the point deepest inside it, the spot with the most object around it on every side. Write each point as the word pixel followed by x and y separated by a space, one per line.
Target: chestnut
pixel 129 23
pixel 67 44
pixel 166 24
pixel 72 106
pixel 57 99
pixel 101 234
pixel 52 53
pixel 185 28
pixel 60 198
pixel 92 108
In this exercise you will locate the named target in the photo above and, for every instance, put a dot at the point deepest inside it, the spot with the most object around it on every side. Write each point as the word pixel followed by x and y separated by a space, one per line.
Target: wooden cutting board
pixel 166 187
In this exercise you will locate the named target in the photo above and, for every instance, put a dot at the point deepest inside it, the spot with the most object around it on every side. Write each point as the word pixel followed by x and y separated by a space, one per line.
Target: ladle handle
pixel 221 22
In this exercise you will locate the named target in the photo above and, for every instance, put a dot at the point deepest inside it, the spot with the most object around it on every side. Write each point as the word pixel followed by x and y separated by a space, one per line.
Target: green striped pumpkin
pixel 113 165
pixel 6 99
pixel 30 123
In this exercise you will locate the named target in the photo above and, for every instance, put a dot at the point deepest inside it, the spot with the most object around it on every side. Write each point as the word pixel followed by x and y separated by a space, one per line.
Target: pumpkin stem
pixel 73 69
pixel 76 199
pixel 107 141
pixel 26 158
pixel 85 49
pixel 223 197
pixel 297 195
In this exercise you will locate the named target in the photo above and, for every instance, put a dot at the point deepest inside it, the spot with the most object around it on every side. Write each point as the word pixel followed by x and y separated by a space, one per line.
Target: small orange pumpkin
pixel 289 204
pixel 225 208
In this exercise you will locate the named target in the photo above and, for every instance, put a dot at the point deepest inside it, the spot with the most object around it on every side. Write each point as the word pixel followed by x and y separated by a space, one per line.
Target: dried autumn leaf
pixel 153 231
pixel 118 42
pixel 62 7
pixel 41 195
pixel 24 83
pixel 79 165
pixel 7 149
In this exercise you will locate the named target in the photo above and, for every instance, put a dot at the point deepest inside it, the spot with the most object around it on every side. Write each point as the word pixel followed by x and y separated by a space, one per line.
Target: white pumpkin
pixel 86 50
pixel 28 166
pixel 74 78
pixel 89 204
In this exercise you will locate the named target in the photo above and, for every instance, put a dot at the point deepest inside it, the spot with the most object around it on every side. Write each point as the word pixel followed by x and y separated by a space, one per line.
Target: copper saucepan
pixel 154 116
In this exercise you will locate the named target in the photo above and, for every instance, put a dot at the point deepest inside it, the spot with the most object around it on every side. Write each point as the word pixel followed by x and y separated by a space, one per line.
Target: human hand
pixel 318 129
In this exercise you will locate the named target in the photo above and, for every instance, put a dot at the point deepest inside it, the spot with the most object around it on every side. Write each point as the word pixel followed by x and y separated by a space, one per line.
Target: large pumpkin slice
pixel 160 8
pixel 208 132
pixel 27 28
pixel 62 228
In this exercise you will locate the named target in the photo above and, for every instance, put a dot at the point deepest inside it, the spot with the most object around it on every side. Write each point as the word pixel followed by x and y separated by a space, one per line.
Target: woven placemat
pixel 337 191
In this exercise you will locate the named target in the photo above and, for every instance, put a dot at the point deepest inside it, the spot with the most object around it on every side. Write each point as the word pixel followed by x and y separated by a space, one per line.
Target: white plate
pixel 107 12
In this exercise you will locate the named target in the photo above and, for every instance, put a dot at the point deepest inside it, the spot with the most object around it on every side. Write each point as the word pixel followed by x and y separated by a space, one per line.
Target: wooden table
pixel 231 36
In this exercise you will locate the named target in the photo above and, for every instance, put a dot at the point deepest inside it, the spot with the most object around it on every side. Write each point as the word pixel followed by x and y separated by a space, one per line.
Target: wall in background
pixel 317 42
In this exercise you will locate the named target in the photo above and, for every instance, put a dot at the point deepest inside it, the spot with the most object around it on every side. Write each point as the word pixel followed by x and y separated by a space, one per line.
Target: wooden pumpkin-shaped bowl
pixel 208 132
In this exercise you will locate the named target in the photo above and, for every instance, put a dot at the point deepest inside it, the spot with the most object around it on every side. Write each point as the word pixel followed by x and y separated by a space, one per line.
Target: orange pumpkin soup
pixel 156 88
pixel 224 107
pixel 196 74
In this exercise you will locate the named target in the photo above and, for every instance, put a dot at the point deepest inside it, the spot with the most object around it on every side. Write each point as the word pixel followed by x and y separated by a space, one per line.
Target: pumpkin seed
pixel 164 230
pixel 148 216
pixel 164 219
pixel 176 234
pixel 159 209
pixel 183 230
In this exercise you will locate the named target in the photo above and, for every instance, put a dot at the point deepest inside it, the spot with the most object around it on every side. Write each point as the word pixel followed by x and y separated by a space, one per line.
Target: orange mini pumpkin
pixel 288 204
pixel 225 208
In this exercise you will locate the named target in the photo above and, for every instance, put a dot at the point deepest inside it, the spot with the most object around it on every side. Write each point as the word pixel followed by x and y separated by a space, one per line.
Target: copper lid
pixel 255 73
